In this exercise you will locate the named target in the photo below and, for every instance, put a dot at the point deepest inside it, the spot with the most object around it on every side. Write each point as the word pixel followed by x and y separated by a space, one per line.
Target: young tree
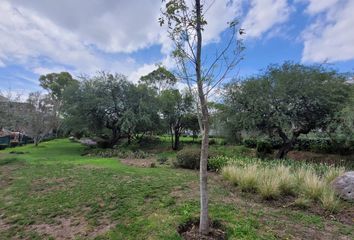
pixel 185 24
pixel 287 101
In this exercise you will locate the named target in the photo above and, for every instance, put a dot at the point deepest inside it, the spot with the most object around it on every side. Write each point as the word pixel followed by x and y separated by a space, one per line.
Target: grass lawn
pixel 52 192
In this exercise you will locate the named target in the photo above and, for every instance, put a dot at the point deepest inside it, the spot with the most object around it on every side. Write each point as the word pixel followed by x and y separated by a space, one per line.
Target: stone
pixel 344 185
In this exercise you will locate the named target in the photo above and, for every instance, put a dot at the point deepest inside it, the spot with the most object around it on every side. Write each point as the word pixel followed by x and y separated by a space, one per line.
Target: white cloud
pixel 330 38
pixel 264 15
pixel 85 36
pixel 317 6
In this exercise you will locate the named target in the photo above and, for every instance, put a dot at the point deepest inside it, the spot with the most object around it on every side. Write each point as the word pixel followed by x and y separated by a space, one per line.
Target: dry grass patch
pixel 271 182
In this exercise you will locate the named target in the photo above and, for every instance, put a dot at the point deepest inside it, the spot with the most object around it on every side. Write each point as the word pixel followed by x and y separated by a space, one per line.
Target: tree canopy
pixel 287 101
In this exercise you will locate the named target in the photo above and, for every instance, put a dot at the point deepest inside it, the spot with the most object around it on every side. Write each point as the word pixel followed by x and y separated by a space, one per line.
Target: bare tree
pixel 40 117
pixel 186 22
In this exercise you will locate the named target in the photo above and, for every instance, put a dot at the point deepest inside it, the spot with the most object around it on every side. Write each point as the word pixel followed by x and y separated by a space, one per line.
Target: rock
pixel 344 185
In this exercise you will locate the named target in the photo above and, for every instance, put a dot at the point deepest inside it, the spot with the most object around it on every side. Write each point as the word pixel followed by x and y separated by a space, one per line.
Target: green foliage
pixel 287 100
pixel 110 104
pixel 217 163
pixel 56 83
pixel 160 79
pixel 188 158
pixel 264 148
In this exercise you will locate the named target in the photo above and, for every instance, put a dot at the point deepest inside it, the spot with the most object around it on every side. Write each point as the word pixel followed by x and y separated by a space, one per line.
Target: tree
pixel 191 123
pixel 160 79
pixel 38 117
pixel 185 24
pixel 287 101
pixel 108 103
pixel 55 84
pixel 175 107
pixel 99 104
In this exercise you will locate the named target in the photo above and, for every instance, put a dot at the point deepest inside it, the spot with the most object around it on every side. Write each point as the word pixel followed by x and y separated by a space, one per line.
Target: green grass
pixel 53 182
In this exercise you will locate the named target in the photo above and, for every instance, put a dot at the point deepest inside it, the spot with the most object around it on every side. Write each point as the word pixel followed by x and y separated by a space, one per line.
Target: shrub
pixel 188 158
pixel 217 163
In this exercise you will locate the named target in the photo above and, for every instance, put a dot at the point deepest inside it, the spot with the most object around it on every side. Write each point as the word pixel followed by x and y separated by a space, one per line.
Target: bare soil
pixel 190 231
pixel 71 228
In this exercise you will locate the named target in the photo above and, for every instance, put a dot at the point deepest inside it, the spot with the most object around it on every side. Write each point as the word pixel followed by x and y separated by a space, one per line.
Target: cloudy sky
pixel 85 36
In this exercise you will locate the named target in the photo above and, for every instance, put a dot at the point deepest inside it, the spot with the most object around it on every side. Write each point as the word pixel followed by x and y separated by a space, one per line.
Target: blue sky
pixel 86 36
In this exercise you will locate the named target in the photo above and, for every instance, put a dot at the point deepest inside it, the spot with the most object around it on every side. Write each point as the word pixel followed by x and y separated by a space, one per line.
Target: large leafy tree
pixel 160 79
pixel 287 101
pixel 55 84
pixel 110 103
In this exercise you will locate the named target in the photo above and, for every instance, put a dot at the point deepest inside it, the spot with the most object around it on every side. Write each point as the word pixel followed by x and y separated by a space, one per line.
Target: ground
pixel 52 192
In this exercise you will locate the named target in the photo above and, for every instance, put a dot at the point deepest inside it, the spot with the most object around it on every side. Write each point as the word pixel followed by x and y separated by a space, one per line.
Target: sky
pixel 124 36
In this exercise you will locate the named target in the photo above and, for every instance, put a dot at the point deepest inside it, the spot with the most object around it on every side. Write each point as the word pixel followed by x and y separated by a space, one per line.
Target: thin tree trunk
pixel 176 142
pixel 171 133
pixel 204 216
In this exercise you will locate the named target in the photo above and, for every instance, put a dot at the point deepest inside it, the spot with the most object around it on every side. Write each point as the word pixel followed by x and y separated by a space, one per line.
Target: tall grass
pixel 272 181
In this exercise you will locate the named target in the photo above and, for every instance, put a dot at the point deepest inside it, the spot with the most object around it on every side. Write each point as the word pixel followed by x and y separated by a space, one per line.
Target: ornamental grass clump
pixel 249 178
pixel 287 183
pixel 310 184
pixel 232 173
pixel 268 184
pixel 274 181
pixel 329 200
pixel 332 173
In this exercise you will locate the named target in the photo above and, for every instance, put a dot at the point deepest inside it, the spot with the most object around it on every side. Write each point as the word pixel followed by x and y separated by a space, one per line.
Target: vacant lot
pixel 52 192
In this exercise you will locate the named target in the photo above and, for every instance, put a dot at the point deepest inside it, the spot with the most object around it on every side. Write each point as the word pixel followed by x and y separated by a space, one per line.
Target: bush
pixel 188 158
pixel 217 163
pixel 212 141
